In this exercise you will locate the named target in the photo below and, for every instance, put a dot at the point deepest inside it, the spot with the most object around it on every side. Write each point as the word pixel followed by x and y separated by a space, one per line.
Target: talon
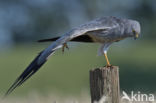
pixel 108 65
pixel 64 46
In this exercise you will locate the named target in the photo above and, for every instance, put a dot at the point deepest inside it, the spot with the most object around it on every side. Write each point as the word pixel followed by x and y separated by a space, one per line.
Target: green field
pixel 67 74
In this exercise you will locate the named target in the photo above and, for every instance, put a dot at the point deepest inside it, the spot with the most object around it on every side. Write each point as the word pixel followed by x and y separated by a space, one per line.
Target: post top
pixel 105 68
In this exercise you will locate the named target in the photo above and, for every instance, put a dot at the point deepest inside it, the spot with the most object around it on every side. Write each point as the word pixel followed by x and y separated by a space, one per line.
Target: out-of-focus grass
pixel 54 98
pixel 49 98
pixel 68 73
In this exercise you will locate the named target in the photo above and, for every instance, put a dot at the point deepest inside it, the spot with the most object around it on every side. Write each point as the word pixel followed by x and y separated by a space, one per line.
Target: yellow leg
pixel 108 64
pixel 64 46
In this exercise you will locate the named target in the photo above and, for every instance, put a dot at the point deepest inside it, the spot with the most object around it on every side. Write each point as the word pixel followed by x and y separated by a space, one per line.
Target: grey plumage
pixel 104 30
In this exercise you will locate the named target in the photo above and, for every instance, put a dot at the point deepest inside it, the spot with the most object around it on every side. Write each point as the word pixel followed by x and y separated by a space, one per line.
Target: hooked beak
pixel 136 36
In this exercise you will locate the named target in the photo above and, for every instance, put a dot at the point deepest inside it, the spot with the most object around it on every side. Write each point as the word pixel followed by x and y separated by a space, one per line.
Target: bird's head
pixel 132 29
pixel 135 29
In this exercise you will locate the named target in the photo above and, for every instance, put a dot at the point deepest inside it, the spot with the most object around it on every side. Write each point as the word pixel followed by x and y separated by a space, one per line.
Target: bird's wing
pixel 78 34
pixel 82 38
pixel 43 56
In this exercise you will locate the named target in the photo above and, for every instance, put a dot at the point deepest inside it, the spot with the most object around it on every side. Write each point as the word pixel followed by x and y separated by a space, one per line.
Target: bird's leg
pixel 108 63
pixel 64 46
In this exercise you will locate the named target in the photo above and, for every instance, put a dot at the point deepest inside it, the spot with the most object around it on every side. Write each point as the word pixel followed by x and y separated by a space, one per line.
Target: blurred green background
pixel 24 22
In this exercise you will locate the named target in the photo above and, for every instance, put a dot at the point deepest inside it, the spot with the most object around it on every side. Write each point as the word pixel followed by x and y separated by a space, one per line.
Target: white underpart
pixel 103 49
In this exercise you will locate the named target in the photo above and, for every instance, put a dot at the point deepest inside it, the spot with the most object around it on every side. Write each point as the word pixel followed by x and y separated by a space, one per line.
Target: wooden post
pixel 104 85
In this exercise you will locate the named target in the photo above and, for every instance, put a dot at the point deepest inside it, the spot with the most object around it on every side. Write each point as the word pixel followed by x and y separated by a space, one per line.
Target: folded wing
pixel 76 34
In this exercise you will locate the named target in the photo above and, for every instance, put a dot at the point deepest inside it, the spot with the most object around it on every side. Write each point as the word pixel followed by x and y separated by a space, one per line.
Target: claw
pixel 108 66
pixel 64 46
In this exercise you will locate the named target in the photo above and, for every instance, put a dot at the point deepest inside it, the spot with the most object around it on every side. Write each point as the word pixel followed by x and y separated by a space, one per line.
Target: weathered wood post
pixel 104 85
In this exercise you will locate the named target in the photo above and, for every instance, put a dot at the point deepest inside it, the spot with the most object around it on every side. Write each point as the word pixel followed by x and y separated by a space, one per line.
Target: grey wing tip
pixel 28 72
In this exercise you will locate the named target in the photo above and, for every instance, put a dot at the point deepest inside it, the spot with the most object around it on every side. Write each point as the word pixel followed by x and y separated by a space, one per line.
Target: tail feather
pixel 28 72
pixel 43 56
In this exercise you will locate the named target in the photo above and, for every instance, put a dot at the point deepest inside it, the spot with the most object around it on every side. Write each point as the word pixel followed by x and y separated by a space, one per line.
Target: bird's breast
pixel 103 38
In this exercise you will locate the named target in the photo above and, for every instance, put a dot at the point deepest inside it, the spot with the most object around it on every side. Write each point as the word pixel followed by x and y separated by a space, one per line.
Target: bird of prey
pixel 104 30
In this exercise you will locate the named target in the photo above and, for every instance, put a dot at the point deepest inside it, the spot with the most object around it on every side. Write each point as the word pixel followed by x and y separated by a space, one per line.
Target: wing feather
pixel 43 56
